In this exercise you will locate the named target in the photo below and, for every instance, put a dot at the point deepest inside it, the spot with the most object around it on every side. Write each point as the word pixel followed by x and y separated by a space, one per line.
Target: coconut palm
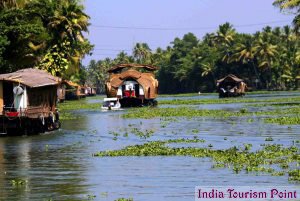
pixel 69 21
pixel 122 57
pixel 209 68
pixel 225 34
pixel 294 7
pixel 266 54
pixel 142 53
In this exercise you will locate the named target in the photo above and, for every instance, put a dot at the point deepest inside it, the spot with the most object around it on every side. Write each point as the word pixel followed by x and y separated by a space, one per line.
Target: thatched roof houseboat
pixel 28 102
pixel 231 86
pixel 68 90
pixel 90 91
pixel 132 84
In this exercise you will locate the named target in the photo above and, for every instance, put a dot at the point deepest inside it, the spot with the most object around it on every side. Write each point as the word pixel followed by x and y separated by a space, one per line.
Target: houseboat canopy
pixel 70 83
pixel 230 78
pixel 31 77
pixel 231 86
pixel 119 67
pixel 148 85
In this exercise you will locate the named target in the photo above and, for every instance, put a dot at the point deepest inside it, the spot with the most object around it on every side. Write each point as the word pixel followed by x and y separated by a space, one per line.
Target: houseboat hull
pixel 137 102
pixel 28 126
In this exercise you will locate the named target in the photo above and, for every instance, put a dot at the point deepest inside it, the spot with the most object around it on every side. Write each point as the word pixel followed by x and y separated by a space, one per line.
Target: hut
pixel 73 91
pixel 132 84
pixel 28 102
pixel 231 86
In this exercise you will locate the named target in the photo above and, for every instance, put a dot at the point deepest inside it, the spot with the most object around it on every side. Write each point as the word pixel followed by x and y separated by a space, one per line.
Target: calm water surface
pixel 60 165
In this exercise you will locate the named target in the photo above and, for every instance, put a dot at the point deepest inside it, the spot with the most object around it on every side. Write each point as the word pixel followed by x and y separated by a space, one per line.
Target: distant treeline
pixel 268 59
pixel 48 34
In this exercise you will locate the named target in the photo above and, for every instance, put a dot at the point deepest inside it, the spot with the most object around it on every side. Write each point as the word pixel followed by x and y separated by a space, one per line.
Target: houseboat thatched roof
pixel 145 79
pixel 230 78
pixel 121 66
pixel 31 77
pixel 70 83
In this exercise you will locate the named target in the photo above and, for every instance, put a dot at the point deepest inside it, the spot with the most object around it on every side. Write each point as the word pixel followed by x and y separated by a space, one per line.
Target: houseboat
pixel 69 90
pixel 90 91
pixel 132 84
pixel 231 86
pixel 28 100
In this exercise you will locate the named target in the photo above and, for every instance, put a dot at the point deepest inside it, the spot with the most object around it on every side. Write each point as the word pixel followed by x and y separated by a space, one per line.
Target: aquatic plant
pixel 294 175
pixel 237 159
pixel 285 120
pixel 124 199
pixel 147 113
pixel 227 101
pixel 269 139
pixel 18 182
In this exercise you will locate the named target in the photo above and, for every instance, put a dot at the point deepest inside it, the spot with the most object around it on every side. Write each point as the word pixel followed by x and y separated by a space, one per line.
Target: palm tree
pixel 294 7
pixel 142 53
pixel 244 52
pixel 224 39
pixel 209 68
pixel 225 34
pixel 69 22
pixel 266 54
pixel 122 57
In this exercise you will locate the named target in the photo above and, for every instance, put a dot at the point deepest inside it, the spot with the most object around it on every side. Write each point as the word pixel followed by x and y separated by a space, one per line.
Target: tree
pixel 266 54
pixel 69 46
pixel 294 7
pixel 142 53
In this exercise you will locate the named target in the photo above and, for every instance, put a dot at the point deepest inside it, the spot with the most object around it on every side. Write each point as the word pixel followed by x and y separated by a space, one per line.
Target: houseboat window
pixel 8 94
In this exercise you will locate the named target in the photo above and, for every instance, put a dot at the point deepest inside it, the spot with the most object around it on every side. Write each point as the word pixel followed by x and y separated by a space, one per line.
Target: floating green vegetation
pixel 141 134
pixel 236 158
pixel 91 197
pixel 187 112
pixel 269 139
pixel 66 108
pixel 137 132
pixel 147 113
pixel 124 199
pixel 78 105
pixel 18 182
pixel 294 175
pixel 187 95
pixel 68 116
pixel 286 120
pixel 227 101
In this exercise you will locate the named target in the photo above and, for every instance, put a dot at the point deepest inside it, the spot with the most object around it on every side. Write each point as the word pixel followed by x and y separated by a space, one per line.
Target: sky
pixel 117 25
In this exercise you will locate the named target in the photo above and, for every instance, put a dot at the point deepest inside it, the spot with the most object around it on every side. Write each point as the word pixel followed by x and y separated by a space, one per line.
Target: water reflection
pixel 60 165
pixel 48 170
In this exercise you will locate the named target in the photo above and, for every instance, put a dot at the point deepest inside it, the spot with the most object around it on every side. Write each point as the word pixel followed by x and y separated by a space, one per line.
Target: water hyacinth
pixel 237 158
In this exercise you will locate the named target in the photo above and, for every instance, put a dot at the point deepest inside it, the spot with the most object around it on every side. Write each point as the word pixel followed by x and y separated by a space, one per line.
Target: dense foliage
pixel 43 33
pixel 268 59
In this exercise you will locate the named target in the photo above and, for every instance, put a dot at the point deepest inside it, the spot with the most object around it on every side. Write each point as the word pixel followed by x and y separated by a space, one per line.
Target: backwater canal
pixel 60 165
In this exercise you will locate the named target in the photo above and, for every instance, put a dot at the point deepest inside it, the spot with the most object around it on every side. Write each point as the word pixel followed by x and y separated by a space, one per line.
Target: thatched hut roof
pixel 31 77
pixel 122 66
pixel 230 78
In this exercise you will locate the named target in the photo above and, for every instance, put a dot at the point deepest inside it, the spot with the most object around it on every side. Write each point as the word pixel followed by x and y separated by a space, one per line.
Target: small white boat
pixel 111 104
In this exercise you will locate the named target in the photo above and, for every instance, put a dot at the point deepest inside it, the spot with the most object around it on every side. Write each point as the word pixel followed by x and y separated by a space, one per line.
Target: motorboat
pixel 111 104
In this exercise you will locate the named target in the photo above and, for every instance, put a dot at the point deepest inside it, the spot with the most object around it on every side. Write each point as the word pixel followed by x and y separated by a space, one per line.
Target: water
pixel 60 165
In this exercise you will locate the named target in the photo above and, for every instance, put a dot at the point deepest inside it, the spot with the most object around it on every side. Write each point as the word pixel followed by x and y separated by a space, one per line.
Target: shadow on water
pixel 61 166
